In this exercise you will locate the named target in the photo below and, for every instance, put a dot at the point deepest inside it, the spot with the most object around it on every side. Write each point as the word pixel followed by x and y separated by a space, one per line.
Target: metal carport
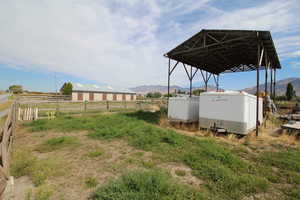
pixel 213 52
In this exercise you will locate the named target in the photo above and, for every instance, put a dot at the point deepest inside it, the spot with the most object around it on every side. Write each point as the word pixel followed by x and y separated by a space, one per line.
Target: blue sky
pixel 122 42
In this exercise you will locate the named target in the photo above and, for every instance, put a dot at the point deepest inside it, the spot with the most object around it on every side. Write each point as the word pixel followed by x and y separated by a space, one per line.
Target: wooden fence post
pixel 6 141
pixel 107 105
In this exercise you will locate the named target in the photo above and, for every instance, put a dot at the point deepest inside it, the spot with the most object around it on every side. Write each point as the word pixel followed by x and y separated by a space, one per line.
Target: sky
pixel 44 43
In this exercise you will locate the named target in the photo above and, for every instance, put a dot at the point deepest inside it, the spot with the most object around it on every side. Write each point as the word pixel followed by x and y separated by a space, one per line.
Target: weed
pixel 25 163
pixel 179 172
pixel 22 163
pixel 94 154
pixel 91 182
pixel 43 193
pixel 139 154
pixel 43 169
pixel 148 164
pixel 151 185
pixel 28 195
pixel 58 143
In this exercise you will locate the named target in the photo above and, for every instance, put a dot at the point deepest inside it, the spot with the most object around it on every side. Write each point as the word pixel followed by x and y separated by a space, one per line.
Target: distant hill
pixel 280 86
pixel 144 89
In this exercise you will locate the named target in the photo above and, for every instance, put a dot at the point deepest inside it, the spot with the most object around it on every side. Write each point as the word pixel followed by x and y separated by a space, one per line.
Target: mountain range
pixel 280 87
pixel 144 89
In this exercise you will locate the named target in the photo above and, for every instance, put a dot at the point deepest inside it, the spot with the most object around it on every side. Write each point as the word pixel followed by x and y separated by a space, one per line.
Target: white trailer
pixel 231 110
pixel 183 109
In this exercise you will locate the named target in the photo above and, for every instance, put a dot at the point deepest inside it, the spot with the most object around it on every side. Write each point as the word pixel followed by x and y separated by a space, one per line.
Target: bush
pixel 150 185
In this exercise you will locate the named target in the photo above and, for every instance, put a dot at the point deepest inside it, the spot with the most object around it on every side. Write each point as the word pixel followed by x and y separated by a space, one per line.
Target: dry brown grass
pixel 269 135
pixel 5 105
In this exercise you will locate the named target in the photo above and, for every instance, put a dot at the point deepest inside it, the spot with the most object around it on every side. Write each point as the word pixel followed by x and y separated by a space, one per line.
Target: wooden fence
pixel 74 108
pixel 6 140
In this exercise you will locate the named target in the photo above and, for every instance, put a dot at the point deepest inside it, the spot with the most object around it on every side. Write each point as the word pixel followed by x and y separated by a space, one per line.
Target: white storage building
pixel 232 110
pixel 87 92
pixel 184 109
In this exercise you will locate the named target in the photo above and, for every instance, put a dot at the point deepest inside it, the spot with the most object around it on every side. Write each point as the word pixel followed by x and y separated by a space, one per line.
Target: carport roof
pixel 220 51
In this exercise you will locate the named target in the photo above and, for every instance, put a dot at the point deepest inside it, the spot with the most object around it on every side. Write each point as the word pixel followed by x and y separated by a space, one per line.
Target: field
pixel 138 155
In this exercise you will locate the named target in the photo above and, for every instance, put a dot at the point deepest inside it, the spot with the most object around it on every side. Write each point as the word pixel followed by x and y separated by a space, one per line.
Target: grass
pixel 179 172
pixel 43 193
pixel 5 105
pixel 149 185
pixel 96 153
pixel 227 173
pixel 2 121
pixel 58 143
pixel 39 170
pixel 289 160
pixel 91 182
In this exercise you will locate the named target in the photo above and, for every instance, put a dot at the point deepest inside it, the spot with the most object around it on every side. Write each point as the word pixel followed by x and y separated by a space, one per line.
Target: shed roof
pixel 219 51
pixel 97 88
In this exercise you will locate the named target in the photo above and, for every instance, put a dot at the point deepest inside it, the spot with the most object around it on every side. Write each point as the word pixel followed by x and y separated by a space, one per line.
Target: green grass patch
pixel 229 173
pixel 58 143
pixel 94 154
pixel 289 160
pixel 151 185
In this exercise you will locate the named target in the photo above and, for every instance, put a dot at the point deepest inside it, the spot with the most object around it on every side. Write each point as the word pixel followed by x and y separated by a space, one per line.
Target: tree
pixel 67 89
pixel 153 95
pixel 16 89
pixel 149 95
pixel 156 95
pixel 290 92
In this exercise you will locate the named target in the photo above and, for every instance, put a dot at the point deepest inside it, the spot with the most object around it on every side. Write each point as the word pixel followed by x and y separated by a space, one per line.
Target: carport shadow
pixel 149 117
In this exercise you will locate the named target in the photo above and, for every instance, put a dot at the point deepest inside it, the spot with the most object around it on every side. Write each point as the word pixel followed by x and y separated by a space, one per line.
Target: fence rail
pixel 6 140
pixel 70 108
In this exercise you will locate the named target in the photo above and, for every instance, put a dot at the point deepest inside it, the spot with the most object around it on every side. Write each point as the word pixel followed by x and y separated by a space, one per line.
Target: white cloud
pixel 122 42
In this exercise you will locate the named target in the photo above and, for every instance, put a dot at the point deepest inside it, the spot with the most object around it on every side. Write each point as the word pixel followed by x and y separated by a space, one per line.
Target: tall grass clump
pixel 58 143
pixel 146 185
